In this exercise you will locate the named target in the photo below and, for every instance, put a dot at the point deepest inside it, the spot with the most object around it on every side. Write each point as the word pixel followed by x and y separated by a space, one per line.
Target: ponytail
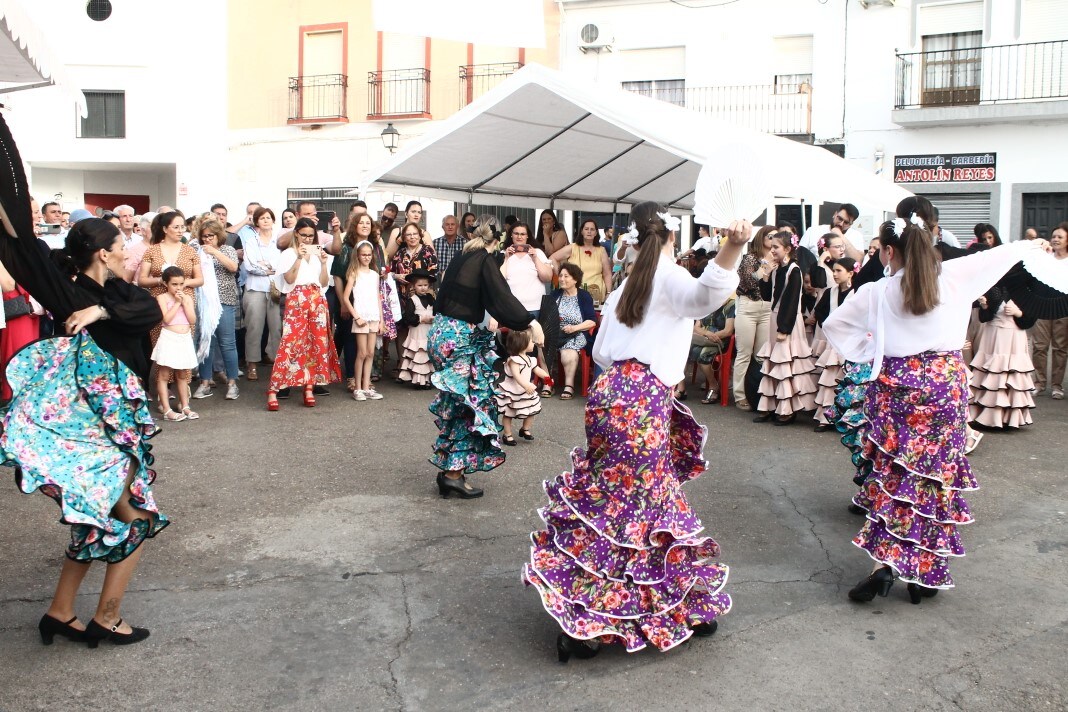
pixel 652 236
pixel 919 278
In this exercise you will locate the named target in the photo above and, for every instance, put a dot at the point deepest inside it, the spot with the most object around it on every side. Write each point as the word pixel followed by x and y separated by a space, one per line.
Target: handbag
pixel 16 307
pixel 276 294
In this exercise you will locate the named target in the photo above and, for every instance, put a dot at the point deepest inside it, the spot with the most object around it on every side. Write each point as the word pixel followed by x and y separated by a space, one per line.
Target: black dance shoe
pixel 784 421
pixel 566 646
pixel 94 633
pixel 917 593
pixel 822 428
pixel 283 393
pixel 458 487
pixel 703 630
pixel 50 628
pixel 320 391
pixel 858 510
pixel 526 434
pixel 859 479
pixel 763 417
pixel 879 583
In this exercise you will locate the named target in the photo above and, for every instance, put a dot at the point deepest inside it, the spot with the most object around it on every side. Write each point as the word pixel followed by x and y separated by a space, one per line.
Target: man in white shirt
pixel 705 241
pixel 942 235
pixel 843 219
pixel 54 235
pixel 126 224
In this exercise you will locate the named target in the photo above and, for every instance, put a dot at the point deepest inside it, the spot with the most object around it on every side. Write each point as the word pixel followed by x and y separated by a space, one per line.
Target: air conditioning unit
pixel 877 3
pixel 595 38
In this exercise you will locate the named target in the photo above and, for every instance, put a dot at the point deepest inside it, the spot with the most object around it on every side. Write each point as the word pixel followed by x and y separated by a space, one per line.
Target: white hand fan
pixel 731 186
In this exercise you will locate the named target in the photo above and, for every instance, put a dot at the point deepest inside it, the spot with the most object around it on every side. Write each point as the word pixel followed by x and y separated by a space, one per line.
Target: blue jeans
pixel 225 340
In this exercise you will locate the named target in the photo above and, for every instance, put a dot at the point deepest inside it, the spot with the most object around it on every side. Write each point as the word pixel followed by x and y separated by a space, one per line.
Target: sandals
pixel 190 414
pixel 174 416
pixel 350 385
pixel 568 394
pixel 546 392
pixel 974 436
pixel 309 397
pixel 526 434
pixel 508 440
pixel 712 397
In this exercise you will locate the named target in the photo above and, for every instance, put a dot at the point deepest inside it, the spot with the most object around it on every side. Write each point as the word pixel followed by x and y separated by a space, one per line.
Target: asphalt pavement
pixel 311 565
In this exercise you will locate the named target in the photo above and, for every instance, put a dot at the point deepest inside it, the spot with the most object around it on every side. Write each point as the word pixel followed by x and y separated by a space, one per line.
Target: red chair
pixel 584 370
pixel 722 365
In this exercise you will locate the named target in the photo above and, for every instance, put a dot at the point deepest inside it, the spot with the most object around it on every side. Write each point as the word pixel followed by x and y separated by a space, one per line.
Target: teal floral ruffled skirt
pixel 78 419
pixel 464 410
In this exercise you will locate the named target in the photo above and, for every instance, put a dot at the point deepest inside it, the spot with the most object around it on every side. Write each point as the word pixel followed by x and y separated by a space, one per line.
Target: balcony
pixel 318 99
pixel 477 79
pixel 783 109
pixel 1005 83
pixel 398 94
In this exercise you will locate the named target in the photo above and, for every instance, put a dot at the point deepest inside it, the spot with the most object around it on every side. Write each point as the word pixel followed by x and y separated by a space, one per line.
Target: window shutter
pixel 1043 20
pixel 651 64
pixel 951 18
pixel 793 55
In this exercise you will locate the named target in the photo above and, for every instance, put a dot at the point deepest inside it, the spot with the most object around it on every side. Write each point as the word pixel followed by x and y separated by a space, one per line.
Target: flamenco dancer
pixel 621 558
pixel 911 327
pixel 461 349
pixel 79 422
pixel 830 364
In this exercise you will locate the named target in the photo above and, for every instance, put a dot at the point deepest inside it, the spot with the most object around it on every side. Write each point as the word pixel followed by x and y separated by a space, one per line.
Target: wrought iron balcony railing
pixel 477 79
pixel 1035 71
pixel 398 93
pixel 784 109
pixel 322 97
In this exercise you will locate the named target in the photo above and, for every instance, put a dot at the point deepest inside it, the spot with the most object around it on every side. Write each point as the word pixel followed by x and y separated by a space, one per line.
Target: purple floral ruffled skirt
pixel 917 409
pixel 620 557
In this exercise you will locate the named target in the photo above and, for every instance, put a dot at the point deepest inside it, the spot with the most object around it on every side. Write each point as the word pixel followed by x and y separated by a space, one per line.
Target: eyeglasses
pixel 306 234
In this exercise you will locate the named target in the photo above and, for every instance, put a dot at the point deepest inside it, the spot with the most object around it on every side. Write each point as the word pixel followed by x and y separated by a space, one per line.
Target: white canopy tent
pixel 25 61
pixel 542 139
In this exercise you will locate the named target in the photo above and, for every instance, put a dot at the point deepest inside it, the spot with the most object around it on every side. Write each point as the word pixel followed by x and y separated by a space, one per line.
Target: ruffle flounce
pixel 415 366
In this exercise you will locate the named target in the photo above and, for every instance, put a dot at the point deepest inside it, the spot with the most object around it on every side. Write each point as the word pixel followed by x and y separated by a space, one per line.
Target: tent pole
pixel 804 227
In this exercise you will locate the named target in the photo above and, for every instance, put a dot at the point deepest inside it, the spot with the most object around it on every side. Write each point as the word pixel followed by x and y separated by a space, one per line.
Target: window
pixel 107 115
pixel 952 67
pixel 672 91
pixel 792 83
pixel 792 63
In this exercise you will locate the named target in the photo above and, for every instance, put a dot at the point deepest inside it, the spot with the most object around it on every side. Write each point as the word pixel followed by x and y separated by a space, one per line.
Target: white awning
pixel 25 61
pixel 540 138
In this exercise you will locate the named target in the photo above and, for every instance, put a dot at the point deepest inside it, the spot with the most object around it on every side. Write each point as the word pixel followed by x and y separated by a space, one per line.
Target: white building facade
pixel 154 79
pixel 966 98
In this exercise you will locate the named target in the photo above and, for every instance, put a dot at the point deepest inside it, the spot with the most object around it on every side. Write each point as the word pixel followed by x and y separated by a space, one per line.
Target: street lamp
pixel 390 138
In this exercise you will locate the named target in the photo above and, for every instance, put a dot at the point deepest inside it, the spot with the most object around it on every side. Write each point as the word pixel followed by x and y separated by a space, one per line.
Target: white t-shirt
pixel 662 339
pixel 523 278
pixel 308 273
pixel 813 234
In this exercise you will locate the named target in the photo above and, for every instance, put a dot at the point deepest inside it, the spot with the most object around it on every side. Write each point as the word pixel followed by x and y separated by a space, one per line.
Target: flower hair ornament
pixel 671 222
pixel 820 244
pixel 856 268
pixel 918 221
pixel 794 240
pixel 899 225
pixel 631 236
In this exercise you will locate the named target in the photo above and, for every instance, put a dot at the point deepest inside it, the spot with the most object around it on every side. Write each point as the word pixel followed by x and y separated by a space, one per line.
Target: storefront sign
pixel 946 168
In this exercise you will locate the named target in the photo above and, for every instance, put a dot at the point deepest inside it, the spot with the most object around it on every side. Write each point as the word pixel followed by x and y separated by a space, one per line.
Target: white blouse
pixel 662 339
pixel 874 323
pixel 308 273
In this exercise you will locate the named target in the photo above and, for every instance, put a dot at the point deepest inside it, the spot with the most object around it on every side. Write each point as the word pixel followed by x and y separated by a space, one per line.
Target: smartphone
pixel 522 248
pixel 325 218
pixel 49 229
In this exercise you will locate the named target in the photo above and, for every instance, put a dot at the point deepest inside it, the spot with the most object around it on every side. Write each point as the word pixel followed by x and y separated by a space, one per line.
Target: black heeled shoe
pixel 763 417
pixel 917 593
pixel 458 487
pixel 51 627
pixel 94 633
pixel 526 434
pixel 784 421
pixel 857 509
pixel 879 582
pixel 703 630
pixel 566 646
pixel 822 428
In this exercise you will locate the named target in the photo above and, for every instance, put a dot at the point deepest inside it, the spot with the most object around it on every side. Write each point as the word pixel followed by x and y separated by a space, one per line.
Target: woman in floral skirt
pixel 911 327
pixel 621 558
pixel 79 422
pixel 461 349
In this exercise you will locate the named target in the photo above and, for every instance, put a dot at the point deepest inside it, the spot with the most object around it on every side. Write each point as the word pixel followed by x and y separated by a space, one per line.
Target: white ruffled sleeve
pixel 697 298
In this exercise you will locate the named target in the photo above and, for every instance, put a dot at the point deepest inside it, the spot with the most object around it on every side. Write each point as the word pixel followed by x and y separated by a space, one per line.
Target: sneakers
pixel 1058 393
pixel 231 392
pixel 373 395
pixel 359 395
pixel 203 390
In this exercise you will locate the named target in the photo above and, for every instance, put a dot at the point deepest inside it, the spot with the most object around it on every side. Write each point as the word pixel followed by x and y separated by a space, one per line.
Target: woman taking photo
pixel 461 349
pixel 307 356
pixel 752 312
pixel 259 307
pixel 212 237
pixel 911 326
pixel 590 257
pixel 79 424
pixel 551 236
pixel 621 513
pixel 526 269
pixel 413 214
pixel 577 320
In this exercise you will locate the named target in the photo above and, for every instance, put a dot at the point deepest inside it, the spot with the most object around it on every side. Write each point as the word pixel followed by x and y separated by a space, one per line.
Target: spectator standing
pixel 167 249
pixel 450 244
pixel 126 223
pixel 551 237
pixel 591 257
pixel 212 236
pixel 843 220
pixel 526 269
pixel 1049 334
pixel 752 312
pixel 259 303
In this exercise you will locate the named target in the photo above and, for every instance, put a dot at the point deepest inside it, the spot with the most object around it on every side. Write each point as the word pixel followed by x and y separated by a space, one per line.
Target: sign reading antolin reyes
pixel 946 168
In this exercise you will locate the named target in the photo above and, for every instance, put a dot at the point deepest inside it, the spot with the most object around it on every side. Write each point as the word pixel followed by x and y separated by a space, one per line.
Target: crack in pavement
pixel 836 571
pixel 401 645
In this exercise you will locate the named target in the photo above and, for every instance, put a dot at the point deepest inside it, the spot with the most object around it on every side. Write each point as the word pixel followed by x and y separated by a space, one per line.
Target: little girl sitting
pixel 174 349
pixel 516 395
pixel 418 312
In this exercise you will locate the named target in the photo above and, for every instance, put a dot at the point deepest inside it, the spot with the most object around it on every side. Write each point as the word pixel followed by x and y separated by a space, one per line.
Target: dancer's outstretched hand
pixel 739 232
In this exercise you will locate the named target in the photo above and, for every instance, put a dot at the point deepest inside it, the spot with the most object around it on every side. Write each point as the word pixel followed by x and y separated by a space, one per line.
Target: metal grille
pixel 477 79
pixel 398 92
pixel 323 96
pixel 780 108
pixel 325 199
pixel 959 212
pixel 106 115
pixel 983 75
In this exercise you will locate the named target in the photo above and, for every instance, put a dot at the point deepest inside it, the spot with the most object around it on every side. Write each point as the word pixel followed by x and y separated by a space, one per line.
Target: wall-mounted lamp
pixel 390 138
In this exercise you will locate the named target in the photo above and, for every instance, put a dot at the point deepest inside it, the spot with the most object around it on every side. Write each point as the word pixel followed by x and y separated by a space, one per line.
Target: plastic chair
pixel 582 372
pixel 723 365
